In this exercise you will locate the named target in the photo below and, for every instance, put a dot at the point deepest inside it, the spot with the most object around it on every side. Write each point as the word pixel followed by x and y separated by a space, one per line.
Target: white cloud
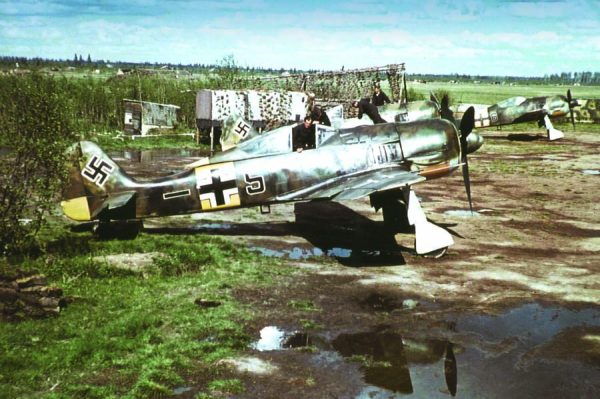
pixel 430 36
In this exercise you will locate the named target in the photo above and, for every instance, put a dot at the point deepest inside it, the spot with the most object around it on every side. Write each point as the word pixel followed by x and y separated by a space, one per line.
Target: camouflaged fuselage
pixel 521 109
pixel 264 171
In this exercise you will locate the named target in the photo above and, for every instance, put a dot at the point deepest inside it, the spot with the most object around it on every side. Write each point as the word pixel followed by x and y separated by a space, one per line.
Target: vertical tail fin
pixel 235 130
pixel 96 185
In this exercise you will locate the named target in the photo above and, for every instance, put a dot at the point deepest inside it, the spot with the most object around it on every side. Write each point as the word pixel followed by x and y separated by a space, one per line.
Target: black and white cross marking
pixel 217 186
pixel 242 129
pixel 97 170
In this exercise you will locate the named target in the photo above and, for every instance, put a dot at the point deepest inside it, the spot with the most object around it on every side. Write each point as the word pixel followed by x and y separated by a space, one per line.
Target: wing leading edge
pixel 355 186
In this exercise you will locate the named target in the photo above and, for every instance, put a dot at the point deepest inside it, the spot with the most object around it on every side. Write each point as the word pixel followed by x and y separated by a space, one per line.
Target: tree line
pixel 79 61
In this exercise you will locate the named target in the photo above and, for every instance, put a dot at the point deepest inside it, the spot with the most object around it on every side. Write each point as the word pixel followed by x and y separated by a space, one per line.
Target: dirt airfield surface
pixel 512 310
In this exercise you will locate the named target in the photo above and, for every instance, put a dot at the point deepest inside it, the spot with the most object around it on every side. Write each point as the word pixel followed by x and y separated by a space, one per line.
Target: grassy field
pixel 490 94
pixel 132 333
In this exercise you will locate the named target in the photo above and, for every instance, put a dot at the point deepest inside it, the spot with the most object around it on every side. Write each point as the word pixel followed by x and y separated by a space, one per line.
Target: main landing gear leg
pixel 395 215
pixel 430 240
pixel 553 133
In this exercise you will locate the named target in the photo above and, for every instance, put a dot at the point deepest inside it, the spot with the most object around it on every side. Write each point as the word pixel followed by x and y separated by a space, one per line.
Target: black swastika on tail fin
pixel 242 129
pixel 97 170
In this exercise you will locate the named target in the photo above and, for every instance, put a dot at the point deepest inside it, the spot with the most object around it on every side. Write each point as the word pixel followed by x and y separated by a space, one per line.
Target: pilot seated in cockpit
pixel 303 135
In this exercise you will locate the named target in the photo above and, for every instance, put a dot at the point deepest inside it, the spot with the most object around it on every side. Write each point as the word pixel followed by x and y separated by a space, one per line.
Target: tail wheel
pixel 122 230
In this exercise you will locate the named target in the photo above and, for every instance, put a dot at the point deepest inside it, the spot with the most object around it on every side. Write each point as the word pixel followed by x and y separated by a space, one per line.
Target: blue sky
pixel 509 37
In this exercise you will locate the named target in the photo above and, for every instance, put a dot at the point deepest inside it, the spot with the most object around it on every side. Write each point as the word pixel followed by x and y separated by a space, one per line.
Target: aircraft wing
pixel 358 185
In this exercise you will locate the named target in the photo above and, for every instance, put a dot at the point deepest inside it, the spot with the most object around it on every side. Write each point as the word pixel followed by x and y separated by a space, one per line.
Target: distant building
pixel 141 116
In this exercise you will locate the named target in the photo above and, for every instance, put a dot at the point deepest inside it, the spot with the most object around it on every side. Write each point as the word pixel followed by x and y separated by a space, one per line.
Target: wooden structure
pixel 141 116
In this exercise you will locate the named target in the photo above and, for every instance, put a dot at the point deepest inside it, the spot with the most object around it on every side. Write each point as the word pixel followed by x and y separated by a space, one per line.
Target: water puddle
pixel 463 213
pixel 215 226
pixel 527 351
pixel 273 338
pixel 181 390
pixel 591 171
pixel 297 253
pixel 147 156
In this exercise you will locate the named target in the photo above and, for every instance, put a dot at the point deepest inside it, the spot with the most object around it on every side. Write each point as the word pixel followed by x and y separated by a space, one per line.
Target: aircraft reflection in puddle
pixel 384 356
pixel 530 350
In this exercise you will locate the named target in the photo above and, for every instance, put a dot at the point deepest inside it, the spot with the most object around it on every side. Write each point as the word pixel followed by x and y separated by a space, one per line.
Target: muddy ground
pixel 512 310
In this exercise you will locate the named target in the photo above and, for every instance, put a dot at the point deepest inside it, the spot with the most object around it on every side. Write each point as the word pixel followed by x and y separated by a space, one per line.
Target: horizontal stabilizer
pixel 119 200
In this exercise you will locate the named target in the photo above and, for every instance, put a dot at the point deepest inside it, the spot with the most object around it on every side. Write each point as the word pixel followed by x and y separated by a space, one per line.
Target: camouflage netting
pixel 274 101
pixel 264 108
pixel 340 87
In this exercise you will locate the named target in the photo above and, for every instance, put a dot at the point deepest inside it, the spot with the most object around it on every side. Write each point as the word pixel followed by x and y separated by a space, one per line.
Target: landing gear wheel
pixel 438 253
pixel 395 216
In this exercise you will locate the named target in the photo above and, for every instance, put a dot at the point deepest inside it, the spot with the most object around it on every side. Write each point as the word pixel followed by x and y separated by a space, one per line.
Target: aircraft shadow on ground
pixel 337 230
pixel 525 137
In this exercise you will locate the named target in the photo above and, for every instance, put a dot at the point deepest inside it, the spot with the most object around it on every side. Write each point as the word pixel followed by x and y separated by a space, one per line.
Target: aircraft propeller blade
pixel 467 180
pixel 467 123
pixel 450 369
pixel 445 111
pixel 466 127
pixel 571 105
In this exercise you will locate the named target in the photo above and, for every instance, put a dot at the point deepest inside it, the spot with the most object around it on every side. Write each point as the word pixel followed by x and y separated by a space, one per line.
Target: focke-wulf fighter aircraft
pixel 381 161
pixel 409 112
pixel 522 109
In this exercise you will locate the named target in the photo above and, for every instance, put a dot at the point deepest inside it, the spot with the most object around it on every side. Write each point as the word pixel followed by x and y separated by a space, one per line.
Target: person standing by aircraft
pixel 379 97
pixel 365 107
pixel 320 116
pixel 303 135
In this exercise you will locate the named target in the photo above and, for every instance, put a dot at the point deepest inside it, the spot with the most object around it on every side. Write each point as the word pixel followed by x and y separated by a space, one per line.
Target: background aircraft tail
pixel 235 130
pixel 98 187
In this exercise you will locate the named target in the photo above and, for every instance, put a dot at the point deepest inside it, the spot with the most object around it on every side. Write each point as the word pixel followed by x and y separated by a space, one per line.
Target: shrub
pixel 36 128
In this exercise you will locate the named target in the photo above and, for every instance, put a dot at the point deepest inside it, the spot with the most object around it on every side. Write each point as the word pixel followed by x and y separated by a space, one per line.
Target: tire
pixel 395 216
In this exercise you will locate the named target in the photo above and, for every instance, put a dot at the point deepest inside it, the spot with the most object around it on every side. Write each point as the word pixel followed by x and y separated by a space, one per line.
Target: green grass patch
pixel 307 306
pixel 128 334
pixel 485 93
pixel 230 386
